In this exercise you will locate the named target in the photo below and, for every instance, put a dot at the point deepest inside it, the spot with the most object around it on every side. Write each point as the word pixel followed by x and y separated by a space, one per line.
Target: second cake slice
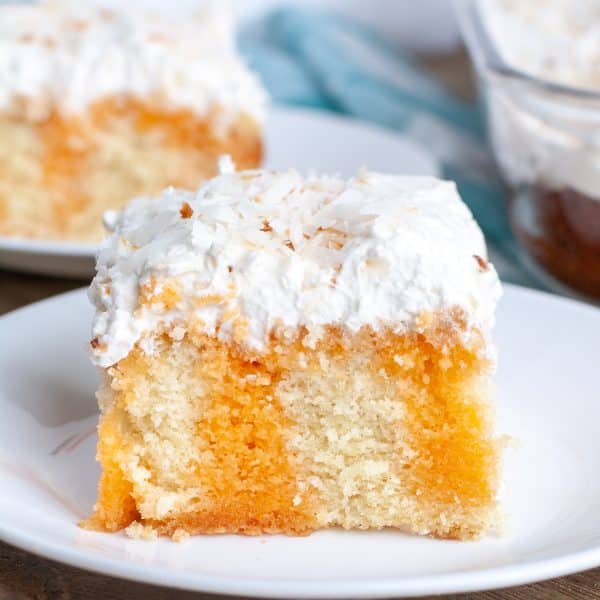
pixel 100 104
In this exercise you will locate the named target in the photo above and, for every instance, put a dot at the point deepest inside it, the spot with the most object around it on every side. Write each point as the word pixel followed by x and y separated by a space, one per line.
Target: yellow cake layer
pixel 58 176
pixel 357 430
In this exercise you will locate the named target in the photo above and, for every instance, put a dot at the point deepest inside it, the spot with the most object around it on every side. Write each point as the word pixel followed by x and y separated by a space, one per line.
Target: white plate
pixel 548 398
pixel 304 139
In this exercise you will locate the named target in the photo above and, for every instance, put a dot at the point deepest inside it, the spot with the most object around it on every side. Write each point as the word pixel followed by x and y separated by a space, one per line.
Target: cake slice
pixel 98 105
pixel 283 354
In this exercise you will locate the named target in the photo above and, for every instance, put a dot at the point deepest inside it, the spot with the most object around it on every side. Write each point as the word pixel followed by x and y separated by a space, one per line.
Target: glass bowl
pixel 546 142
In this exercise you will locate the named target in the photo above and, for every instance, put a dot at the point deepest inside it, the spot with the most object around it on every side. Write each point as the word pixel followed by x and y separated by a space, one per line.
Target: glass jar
pixel 546 142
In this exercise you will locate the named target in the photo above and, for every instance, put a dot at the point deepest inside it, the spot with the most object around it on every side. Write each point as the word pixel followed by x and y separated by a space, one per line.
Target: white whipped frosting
pixel 558 40
pixel 287 251
pixel 65 54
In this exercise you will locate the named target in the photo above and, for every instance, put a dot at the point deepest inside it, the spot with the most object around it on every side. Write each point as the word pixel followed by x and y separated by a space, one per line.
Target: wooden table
pixel 24 576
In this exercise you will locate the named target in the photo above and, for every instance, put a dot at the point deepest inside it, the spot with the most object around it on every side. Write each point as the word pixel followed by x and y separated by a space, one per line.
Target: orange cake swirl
pixel 102 103
pixel 282 354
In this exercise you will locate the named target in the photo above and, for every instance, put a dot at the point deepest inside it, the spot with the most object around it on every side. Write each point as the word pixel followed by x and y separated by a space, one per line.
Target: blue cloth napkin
pixel 330 62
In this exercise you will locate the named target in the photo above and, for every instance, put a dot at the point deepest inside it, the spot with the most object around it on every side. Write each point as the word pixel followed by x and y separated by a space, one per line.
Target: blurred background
pixel 402 66
pixel 428 25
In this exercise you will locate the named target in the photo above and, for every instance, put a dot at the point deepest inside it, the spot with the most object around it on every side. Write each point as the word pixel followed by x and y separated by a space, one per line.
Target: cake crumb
pixel 180 535
pixel 139 531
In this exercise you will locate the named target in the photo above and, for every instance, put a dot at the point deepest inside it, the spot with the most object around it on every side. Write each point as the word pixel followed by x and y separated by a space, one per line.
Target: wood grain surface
pixel 24 576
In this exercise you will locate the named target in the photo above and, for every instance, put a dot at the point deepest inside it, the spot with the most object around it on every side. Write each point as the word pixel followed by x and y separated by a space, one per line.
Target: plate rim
pixel 367 587
pixel 47 247
pixel 364 587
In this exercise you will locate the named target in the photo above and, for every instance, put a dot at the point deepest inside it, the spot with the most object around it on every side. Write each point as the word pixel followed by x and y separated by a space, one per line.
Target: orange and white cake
pixel 283 354
pixel 98 105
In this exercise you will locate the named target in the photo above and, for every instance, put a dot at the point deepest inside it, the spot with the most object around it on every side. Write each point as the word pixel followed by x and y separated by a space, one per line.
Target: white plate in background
pixel 303 139
pixel 548 398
